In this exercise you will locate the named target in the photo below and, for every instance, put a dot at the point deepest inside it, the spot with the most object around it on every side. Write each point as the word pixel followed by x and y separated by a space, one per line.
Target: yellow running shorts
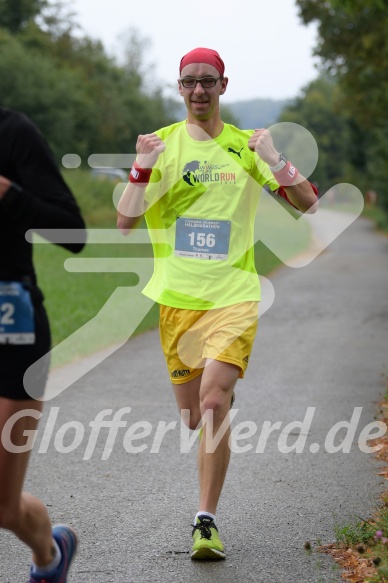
pixel 190 337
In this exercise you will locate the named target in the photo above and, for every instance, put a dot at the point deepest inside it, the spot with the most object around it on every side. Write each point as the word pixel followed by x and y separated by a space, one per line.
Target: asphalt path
pixel 319 357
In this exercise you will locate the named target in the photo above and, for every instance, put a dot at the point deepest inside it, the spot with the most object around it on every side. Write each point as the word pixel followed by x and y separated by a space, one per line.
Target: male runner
pixel 198 183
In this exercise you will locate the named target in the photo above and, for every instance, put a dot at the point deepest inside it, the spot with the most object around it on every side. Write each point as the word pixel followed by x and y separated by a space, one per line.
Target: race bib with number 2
pixel 17 324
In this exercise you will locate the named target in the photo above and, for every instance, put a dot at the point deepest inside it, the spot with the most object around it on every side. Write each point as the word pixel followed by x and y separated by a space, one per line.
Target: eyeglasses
pixel 206 82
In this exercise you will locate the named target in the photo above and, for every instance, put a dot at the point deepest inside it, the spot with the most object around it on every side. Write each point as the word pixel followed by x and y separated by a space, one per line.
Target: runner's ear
pixel 224 84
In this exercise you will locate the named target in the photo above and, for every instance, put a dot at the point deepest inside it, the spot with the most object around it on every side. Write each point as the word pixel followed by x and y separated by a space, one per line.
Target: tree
pixel 54 97
pixel 341 156
pixel 15 14
pixel 83 100
pixel 353 47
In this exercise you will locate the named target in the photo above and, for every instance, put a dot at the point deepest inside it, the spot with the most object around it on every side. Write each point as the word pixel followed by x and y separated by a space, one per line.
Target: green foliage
pixel 381 577
pixel 370 540
pixel 378 216
pixel 341 156
pixel 15 14
pixel 355 533
pixel 82 100
pixel 376 160
pixel 354 51
pixel 353 35
pixel 54 97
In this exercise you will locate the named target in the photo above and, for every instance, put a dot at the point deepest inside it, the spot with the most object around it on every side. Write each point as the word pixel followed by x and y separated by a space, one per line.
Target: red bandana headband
pixel 202 55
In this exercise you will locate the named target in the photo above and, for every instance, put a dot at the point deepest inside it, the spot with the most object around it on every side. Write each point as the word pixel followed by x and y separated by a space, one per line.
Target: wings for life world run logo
pixel 195 172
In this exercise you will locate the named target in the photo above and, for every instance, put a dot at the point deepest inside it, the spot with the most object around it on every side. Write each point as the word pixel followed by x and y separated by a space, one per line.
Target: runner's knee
pixel 218 402
pixel 191 418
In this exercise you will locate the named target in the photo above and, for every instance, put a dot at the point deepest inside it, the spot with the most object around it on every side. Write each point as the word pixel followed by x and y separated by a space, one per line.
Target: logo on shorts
pixel 180 373
pixel 246 359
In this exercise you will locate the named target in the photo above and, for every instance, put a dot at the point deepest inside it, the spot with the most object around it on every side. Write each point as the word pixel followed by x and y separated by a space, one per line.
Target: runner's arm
pixel 302 196
pixel 299 191
pixel 132 205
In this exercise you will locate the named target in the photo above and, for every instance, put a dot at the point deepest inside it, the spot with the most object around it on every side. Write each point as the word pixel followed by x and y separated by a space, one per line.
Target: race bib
pixel 17 324
pixel 202 238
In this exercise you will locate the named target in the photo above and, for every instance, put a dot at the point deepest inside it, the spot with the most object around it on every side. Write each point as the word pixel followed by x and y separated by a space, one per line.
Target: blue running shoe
pixel 66 539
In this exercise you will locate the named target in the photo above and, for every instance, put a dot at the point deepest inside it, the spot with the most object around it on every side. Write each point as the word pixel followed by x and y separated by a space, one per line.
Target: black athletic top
pixel 39 198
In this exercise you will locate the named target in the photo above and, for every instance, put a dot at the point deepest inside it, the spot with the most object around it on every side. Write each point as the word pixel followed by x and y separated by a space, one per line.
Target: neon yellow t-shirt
pixel 202 199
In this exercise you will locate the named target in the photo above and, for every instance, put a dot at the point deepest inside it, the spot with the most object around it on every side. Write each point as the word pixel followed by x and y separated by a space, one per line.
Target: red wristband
pixel 139 175
pixel 287 175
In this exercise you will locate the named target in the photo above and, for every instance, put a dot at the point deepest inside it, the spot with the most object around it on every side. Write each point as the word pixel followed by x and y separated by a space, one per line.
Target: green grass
pixel 355 533
pixel 361 537
pixel 369 538
pixel 73 299
pixel 378 216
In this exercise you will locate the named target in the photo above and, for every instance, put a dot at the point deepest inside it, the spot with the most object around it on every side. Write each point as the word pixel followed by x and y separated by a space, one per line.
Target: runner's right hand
pixel 148 148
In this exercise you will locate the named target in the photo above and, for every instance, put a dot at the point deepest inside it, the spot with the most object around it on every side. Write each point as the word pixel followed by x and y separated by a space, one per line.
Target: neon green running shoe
pixel 207 544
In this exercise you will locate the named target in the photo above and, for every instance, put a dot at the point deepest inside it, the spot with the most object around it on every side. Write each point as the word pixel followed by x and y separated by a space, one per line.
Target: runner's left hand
pixel 261 142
